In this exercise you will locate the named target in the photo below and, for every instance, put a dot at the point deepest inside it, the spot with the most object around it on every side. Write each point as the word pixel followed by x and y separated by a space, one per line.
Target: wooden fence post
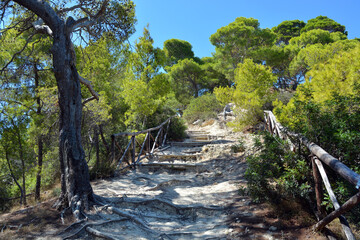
pixel 113 148
pixel 318 188
pixel 133 149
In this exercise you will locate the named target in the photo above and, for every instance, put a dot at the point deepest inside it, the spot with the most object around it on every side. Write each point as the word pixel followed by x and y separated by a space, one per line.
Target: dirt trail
pixel 187 191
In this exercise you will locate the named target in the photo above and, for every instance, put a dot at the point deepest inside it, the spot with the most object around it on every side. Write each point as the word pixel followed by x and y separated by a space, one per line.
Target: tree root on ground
pixel 157 201
pixel 169 183
pixel 88 225
pixel 110 206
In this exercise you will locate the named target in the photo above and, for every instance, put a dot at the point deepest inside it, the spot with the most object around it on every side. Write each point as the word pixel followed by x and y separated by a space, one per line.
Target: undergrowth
pixel 275 173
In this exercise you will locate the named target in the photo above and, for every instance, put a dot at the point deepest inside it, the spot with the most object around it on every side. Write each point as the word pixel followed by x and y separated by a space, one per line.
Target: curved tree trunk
pixel 75 182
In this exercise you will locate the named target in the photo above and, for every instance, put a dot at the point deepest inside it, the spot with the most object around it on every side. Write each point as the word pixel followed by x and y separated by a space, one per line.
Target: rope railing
pixel 148 145
pixel 318 157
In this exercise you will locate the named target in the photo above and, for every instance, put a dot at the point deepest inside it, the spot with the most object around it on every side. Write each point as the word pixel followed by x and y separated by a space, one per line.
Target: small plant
pixel 56 192
pixel 240 147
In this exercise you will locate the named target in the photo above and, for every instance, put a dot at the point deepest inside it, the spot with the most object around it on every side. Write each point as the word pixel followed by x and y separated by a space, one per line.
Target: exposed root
pixel 131 217
pixel 169 183
pixel 168 203
pixel 71 226
pixel 98 200
pixel 89 225
pixel 63 212
pixel 97 233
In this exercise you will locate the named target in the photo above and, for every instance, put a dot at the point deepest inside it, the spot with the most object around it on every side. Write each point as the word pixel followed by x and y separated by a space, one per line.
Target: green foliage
pixel 177 129
pixel 275 172
pixel 176 50
pixel 203 107
pixel 252 90
pixel 237 41
pixel 288 29
pixel 324 23
pixel 186 79
pixel 239 147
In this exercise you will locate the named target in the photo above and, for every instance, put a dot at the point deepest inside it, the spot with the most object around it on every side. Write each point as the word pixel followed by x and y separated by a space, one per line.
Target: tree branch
pixel 42 28
pixel 88 100
pixel 17 53
pixel 87 83
pixel 43 10
pixel 64 10
pixel 86 22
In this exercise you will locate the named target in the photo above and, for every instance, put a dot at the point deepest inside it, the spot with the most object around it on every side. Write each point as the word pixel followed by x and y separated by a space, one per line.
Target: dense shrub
pixel 177 129
pixel 203 107
pixel 275 172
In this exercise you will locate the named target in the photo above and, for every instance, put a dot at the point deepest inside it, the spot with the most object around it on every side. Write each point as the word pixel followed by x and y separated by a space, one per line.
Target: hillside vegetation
pixel 308 73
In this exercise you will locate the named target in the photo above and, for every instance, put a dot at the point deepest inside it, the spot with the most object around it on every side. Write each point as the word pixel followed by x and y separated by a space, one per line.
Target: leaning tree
pixel 63 21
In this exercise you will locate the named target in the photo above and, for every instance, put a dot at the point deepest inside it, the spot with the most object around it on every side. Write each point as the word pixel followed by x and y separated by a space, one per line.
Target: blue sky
pixel 195 20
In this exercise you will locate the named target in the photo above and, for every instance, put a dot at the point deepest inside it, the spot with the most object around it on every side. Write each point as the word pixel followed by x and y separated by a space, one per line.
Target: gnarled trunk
pixel 75 181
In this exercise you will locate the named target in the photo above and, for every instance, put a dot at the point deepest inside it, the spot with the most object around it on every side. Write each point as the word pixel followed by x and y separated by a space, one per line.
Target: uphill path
pixel 188 190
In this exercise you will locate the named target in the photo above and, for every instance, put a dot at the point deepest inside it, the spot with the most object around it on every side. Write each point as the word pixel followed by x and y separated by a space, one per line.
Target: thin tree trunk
pixel 104 140
pixel 96 142
pixel 39 168
pixel 14 178
pixel 40 139
pixel 21 154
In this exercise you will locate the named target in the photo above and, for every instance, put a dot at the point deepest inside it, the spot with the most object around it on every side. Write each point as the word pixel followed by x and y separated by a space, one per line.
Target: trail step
pixel 176 157
pixel 197 132
pixel 200 137
pixel 190 144
pixel 177 166
pixel 193 150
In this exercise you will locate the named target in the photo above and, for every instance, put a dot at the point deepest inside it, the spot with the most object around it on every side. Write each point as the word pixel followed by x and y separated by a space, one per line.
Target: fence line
pixel 149 144
pixel 319 156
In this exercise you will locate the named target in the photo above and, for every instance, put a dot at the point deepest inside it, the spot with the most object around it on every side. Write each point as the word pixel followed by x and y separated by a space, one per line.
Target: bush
pixel 240 147
pixel 177 129
pixel 275 172
pixel 203 108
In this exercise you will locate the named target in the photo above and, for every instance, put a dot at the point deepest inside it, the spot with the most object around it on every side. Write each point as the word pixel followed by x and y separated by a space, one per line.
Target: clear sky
pixel 195 20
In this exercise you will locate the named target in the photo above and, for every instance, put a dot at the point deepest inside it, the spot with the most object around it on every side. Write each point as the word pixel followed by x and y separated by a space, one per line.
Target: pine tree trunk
pixel 76 190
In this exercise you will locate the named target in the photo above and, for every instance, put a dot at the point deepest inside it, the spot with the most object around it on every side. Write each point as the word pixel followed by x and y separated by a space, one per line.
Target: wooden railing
pixel 318 157
pixel 148 145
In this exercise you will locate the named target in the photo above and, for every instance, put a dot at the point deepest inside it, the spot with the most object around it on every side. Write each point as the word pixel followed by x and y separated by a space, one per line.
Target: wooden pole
pixel 113 148
pixel 352 202
pixel 142 147
pixel 337 213
pixel 133 149
pixel 155 141
pixel 149 143
pixel 340 168
pixel 318 189
pixel 167 130
pixel 124 155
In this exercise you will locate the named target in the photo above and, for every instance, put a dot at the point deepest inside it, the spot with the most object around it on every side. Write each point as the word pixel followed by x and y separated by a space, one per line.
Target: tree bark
pixel 40 139
pixel 97 149
pixel 75 181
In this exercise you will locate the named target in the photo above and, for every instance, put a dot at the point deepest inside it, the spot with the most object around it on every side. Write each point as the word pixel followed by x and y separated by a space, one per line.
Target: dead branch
pixel 87 83
pixel 88 100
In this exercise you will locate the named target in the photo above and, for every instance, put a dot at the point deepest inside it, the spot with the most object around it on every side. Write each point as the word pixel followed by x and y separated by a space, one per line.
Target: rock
pixel 272 228
pixel 197 122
